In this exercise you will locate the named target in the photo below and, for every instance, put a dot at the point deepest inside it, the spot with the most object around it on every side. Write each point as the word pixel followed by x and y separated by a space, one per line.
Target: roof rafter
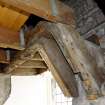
pixel 47 9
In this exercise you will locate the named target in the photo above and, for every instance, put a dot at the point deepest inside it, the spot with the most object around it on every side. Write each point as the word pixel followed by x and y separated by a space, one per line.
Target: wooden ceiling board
pixel 10 39
pixel 11 19
pixel 51 10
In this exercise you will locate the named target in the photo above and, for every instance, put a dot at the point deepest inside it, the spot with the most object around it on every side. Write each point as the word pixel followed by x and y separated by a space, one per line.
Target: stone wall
pixel 89 17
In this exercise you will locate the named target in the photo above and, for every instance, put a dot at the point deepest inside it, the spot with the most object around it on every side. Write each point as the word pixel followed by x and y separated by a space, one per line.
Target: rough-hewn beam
pixel 47 9
pixel 27 71
pixel 27 63
pixel 75 50
pixel 11 19
pixel 9 39
pixel 53 58
pixel 56 62
pixel 21 61
pixel 35 57
pixel 33 64
pixel 59 67
pixel 24 72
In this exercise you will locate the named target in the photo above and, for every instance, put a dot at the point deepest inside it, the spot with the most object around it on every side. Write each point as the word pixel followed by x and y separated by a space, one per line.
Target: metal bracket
pixel 22 39
pixel 8 55
pixel 54 7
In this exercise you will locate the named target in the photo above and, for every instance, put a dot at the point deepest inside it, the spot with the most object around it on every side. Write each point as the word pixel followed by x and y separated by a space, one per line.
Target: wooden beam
pixel 59 67
pixel 54 60
pixel 24 72
pixel 36 57
pixel 27 71
pixel 33 64
pixel 11 19
pixel 9 39
pixel 75 50
pixel 44 9
pixel 26 59
pixel 25 65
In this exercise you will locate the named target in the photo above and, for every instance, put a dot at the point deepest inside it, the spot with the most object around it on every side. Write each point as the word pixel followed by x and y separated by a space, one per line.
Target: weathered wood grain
pixel 54 60
pixel 9 39
pixel 24 72
pixel 56 63
pixel 75 50
pixel 30 64
pixel 43 9
pixel 11 19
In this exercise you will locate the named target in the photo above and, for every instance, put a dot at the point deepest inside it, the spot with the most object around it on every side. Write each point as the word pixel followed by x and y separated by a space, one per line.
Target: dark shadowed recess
pixel 33 20
pixel 101 4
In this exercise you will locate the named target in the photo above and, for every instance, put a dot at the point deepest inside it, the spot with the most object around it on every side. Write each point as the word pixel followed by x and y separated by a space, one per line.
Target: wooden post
pixel 10 39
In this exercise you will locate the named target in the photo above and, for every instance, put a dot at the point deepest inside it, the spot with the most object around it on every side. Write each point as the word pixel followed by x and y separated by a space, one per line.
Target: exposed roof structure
pixel 41 35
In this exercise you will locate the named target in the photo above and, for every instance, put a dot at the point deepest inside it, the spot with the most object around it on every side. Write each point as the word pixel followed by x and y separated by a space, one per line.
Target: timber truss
pixel 54 45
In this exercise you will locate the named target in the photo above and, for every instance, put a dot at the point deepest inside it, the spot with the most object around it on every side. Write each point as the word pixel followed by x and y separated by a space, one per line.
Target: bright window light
pixel 36 90
pixel 29 90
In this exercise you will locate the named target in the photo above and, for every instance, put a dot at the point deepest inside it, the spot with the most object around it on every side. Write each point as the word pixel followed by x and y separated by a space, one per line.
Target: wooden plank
pixel 43 8
pixel 33 64
pixel 56 62
pixel 54 59
pixel 77 55
pixel 59 67
pixel 27 71
pixel 26 59
pixel 3 56
pixel 16 19
pixel 9 39
pixel 19 22
pixel 24 72
pixel 36 57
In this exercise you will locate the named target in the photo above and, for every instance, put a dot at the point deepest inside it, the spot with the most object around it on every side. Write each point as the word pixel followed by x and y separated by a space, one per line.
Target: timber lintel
pixel 52 10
